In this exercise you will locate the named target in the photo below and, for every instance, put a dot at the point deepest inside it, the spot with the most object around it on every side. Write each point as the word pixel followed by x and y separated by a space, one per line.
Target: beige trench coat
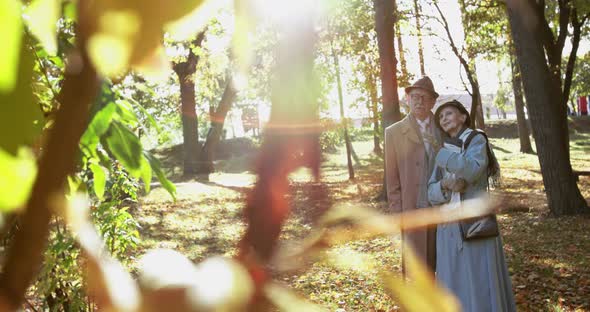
pixel 408 168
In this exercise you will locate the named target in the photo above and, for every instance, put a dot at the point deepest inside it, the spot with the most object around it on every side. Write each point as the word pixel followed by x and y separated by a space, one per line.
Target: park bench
pixel 578 173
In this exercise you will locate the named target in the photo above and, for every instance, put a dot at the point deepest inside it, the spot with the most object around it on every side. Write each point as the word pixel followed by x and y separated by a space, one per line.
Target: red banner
pixel 583 105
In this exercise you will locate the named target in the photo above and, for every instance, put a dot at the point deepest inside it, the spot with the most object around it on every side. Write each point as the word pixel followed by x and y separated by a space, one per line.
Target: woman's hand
pixel 457 185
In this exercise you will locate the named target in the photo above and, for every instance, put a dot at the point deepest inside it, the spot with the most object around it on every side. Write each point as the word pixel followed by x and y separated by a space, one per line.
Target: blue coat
pixel 474 271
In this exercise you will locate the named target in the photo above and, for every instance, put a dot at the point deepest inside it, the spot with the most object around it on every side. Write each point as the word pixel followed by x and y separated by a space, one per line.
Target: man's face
pixel 420 102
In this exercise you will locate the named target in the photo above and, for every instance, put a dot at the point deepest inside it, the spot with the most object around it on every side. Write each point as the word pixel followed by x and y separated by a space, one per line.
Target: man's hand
pixel 457 185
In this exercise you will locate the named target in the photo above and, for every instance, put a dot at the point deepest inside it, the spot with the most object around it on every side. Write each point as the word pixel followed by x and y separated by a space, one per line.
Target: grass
pixel 548 258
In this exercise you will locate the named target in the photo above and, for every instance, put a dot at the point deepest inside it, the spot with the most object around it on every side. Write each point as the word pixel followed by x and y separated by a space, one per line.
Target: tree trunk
pixel 343 117
pixel 418 13
pixel 571 62
pixel 404 80
pixel 389 97
pixel 214 134
pixel 470 67
pixel 476 112
pixel 547 117
pixel 190 127
pixel 476 104
pixel 523 128
pixel 375 112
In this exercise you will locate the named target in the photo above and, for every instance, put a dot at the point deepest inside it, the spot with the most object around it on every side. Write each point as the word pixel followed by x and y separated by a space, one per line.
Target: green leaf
pixel 99 125
pixel 149 116
pixel 21 120
pixel 125 146
pixel 100 180
pixel 126 113
pixel 11 30
pixel 17 178
pixel 42 20
pixel 146 174
pixel 157 168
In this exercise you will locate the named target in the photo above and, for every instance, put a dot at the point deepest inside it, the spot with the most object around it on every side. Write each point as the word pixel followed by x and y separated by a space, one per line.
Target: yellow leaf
pixel 110 54
pixel 111 47
pixel 136 29
pixel 11 33
pixel 16 180
pixel 42 17
pixel 155 67
pixel 188 26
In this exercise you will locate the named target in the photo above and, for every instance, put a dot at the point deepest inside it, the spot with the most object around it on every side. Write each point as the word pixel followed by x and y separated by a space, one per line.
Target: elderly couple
pixel 435 159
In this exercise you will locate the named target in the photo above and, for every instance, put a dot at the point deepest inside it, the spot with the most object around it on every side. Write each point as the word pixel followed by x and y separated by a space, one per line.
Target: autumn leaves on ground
pixel 548 258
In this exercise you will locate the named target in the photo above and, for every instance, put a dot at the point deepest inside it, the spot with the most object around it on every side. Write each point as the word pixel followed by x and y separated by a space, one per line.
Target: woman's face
pixel 451 120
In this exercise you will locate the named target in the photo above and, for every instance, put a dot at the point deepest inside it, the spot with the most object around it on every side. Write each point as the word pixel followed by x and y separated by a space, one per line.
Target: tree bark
pixel 343 117
pixel 548 118
pixel 373 98
pixel 404 80
pixel 476 104
pixel 418 14
pixel 571 62
pixel 523 128
pixel 190 122
pixel 214 134
pixel 389 97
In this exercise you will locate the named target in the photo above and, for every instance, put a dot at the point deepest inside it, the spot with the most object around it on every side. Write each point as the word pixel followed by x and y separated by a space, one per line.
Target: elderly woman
pixel 472 268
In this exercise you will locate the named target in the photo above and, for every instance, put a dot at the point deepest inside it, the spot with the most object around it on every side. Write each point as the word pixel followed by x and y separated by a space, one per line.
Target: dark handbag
pixel 478 228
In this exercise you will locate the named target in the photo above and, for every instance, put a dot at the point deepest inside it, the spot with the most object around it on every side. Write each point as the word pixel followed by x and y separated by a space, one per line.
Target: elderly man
pixel 410 150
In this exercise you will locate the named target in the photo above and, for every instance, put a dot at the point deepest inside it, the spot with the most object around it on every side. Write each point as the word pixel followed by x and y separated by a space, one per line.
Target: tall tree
pixel 372 104
pixel 485 24
pixel 214 135
pixel 542 87
pixel 468 64
pixel 581 80
pixel 352 30
pixel 185 71
pixel 555 19
pixel 389 97
pixel 418 16
pixel 404 79
pixel 343 116
pixel 523 128
pixel 577 21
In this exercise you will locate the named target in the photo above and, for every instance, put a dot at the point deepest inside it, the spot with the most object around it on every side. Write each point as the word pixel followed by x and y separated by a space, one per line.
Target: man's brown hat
pixel 423 83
